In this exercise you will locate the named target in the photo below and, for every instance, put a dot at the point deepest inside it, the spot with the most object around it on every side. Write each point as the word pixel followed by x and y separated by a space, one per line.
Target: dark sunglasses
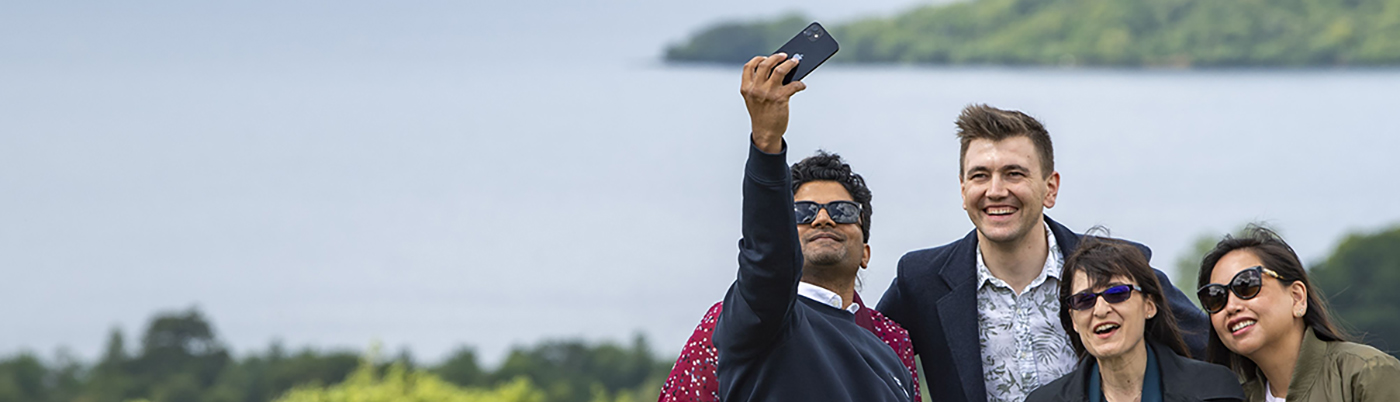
pixel 839 211
pixel 1114 294
pixel 1245 284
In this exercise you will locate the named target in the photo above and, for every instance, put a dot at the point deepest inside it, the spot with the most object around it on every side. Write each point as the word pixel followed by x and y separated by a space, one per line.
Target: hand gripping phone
pixel 811 48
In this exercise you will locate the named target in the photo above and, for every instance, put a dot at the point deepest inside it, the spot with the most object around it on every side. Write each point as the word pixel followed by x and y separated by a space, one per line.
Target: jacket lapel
pixel 958 310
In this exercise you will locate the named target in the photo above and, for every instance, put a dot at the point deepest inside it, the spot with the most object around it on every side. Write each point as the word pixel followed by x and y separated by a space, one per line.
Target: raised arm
pixel 759 305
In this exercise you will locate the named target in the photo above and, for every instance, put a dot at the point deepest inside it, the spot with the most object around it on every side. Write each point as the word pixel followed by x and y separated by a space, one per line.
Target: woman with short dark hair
pixel 1273 328
pixel 1128 342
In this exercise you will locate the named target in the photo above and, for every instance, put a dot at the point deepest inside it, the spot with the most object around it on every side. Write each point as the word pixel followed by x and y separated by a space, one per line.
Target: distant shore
pixel 1165 34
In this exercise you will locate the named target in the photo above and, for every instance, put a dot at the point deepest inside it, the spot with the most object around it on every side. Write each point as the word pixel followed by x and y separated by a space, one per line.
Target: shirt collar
pixel 1054 260
pixel 824 296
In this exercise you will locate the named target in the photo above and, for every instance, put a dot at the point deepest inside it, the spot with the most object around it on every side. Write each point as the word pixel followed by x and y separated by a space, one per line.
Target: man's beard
pixel 825 257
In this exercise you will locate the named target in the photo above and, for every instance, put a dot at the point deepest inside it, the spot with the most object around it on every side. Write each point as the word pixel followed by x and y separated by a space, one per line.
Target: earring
pixel 1298 313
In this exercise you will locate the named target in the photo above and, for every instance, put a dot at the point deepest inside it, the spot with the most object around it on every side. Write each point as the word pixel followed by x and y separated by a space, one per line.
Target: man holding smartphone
pixel 779 340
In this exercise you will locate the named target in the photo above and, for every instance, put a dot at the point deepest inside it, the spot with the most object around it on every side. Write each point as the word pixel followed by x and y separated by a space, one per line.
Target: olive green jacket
pixel 1335 372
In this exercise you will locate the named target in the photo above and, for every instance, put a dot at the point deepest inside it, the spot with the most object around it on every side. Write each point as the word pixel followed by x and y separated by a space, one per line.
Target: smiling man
pixel 983 311
pixel 788 330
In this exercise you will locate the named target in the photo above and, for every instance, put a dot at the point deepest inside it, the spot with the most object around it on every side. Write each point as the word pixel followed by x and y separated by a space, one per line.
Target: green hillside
pixel 1175 33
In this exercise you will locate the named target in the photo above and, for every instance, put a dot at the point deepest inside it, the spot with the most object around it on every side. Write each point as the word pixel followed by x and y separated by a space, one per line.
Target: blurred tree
pixel 22 379
pixel 573 371
pixel 738 41
pixel 66 377
pixel 1359 280
pixel 1188 265
pixel 180 357
pixel 109 379
pixel 461 368
pixel 399 384
pixel 1178 33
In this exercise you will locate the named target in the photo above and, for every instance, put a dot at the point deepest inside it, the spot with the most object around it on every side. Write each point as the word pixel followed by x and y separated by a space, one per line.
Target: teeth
pixel 1105 328
pixel 1241 325
pixel 1000 211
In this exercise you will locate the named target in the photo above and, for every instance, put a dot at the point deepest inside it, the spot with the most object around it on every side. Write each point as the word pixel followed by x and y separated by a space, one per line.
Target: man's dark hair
pixel 986 122
pixel 829 166
pixel 1279 257
pixel 1101 259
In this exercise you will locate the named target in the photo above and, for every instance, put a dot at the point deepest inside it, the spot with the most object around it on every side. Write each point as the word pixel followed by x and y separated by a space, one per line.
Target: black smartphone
pixel 811 48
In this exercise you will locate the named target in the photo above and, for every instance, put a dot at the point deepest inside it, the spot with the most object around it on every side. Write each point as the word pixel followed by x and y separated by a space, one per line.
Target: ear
pixel 865 258
pixel 1053 189
pixel 1151 308
pixel 962 190
pixel 1299 292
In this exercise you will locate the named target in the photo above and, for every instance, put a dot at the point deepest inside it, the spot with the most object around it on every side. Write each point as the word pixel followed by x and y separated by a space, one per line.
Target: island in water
pixel 1110 33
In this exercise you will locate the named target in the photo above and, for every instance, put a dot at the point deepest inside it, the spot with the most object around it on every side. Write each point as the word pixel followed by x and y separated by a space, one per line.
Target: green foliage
pixel 462 369
pixel 399 384
pixel 1188 265
pixel 573 371
pixel 182 359
pixel 1359 280
pixel 1178 33
pixel 738 41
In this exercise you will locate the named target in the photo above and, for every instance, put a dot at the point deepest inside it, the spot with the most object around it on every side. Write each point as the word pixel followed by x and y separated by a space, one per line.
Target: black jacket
pixel 934 296
pixel 777 346
pixel 1183 380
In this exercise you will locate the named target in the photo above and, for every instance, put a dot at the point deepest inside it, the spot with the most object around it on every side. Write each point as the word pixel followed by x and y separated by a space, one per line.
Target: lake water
pixel 430 204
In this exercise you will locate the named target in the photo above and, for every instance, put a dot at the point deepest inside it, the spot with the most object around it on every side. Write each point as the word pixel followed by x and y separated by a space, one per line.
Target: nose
pixel 997 188
pixel 1233 303
pixel 1101 307
pixel 823 218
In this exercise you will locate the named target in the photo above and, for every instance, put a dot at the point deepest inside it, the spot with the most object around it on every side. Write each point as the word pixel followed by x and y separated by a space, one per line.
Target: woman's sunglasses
pixel 1245 285
pixel 1114 294
pixel 839 211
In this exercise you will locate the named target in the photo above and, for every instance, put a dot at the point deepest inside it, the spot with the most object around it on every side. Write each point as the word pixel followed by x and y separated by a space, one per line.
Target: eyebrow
pixel 1014 167
pixel 1105 286
pixel 980 168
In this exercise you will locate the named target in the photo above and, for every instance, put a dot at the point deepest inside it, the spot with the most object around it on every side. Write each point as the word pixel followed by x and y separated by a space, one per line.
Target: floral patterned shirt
pixel 1023 343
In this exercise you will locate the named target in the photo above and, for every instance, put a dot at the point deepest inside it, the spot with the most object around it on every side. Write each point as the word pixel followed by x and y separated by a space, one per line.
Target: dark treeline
pixel 180 359
pixel 1177 33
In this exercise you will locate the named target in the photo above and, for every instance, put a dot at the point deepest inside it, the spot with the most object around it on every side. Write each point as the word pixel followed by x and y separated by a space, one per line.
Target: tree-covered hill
pixel 1175 33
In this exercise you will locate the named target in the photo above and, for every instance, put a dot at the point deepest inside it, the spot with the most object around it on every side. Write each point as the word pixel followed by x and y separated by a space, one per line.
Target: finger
pixel 749 68
pixel 794 87
pixel 782 71
pixel 765 69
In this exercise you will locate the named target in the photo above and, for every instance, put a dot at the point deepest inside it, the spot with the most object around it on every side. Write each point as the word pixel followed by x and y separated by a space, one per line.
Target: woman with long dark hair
pixel 1127 339
pixel 1273 328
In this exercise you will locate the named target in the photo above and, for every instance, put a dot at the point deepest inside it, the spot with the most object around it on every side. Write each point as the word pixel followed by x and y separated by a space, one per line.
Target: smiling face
pixel 827 244
pixel 1110 330
pixel 1249 327
pixel 1004 190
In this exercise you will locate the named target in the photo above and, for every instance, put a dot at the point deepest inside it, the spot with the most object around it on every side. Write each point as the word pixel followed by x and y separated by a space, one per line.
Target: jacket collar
pixel 964 266
pixel 1305 370
pixel 959 307
pixel 1178 381
pixel 1181 382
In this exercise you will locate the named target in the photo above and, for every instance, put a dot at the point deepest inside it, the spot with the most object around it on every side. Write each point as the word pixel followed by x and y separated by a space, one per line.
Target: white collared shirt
pixel 1269 395
pixel 1023 344
pixel 824 296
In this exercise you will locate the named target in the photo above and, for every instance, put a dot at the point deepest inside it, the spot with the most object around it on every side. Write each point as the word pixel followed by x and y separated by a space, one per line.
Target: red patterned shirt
pixel 693 379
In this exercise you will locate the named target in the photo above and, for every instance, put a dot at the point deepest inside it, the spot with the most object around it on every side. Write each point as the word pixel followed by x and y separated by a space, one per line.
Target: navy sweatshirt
pixel 775 345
